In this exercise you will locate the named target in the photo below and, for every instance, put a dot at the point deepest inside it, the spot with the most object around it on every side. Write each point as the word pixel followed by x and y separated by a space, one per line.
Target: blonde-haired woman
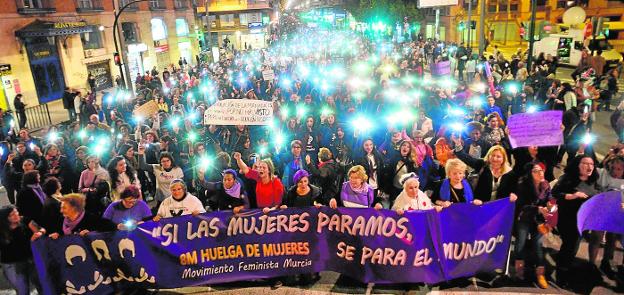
pixel 356 193
pixel 455 188
pixel 493 174
pixel 412 198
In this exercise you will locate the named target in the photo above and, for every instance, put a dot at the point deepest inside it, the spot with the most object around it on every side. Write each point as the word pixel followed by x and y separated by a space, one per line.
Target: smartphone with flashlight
pixel 130 224
pixel 31 146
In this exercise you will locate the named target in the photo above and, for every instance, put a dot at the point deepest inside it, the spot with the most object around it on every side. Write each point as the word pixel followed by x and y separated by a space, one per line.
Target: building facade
pixel 239 23
pixel 504 18
pixel 52 44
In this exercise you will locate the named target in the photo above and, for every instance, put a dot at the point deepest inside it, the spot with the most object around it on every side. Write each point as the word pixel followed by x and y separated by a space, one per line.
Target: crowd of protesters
pixel 357 124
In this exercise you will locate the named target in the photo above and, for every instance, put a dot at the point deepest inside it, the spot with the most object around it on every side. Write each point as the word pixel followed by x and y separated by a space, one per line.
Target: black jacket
pixel 327 178
pixel 483 189
pixel 29 205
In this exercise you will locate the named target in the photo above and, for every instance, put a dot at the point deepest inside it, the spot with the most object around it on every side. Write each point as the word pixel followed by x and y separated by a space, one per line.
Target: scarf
pixel 38 191
pixel 234 191
pixel 445 191
pixel 543 190
pixel 363 190
pixel 321 164
pixel 68 225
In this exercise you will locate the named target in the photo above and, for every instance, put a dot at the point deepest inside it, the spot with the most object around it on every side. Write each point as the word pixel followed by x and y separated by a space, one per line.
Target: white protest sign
pixel 535 129
pixel 268 75
pixel 239 112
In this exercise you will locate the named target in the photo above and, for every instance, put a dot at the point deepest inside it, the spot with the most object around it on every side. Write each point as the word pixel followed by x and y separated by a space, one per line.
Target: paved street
pixel 329 282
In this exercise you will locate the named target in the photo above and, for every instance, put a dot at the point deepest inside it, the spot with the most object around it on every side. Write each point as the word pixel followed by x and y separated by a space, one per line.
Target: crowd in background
pixel 358 122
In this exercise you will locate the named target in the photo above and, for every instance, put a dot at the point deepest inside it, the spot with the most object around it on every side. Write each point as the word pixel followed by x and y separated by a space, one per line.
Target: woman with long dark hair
pixel 15 251
pixel 401 164
pixel 373 162
pixel 31 197
pixel 532 207
pixel 121 176
pixel 578 183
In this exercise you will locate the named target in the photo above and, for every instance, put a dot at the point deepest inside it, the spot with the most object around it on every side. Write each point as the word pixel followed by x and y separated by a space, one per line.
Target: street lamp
pixel 115 32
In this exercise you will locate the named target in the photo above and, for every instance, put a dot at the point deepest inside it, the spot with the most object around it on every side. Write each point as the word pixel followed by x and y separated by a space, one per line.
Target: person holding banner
pixel 269 189
pixel 302 194
pixel 611 178
pixel 229 194
pixel 15 251
pixel 356 193
pixel 535 203
pixel 77 221
pixel 578 183
pixel 129 210
pixel 412 198
pixel 455 188
pixel 325 174
pixel 180 203
pixel 494 177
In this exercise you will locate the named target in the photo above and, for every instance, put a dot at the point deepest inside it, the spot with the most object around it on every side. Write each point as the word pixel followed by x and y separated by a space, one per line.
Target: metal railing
pixel 89 5
pixel 37 117
pixel 35 6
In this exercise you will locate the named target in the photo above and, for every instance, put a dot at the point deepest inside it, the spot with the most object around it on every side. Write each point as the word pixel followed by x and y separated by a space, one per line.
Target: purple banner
pixel 535 129
pixel 369 245
pixel 441 68
pixel 604 211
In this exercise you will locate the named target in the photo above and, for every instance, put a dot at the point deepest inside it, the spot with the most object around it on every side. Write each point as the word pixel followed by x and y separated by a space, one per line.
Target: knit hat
pixel 299 175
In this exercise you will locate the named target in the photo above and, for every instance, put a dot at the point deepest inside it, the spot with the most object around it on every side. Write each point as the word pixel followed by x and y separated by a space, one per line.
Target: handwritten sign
pixel 441 68
pixel 146 110
pixel 239 112
pixel 101 73
pixel 268 75
pixel 535 129
pixel 369 245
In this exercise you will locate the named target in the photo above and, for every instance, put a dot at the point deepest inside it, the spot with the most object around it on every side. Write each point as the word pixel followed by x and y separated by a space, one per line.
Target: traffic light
pixel 461 26
pixel 117 58
pixel 473 24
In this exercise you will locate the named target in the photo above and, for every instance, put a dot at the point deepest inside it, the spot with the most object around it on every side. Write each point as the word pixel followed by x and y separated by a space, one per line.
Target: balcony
pixel 180 4
pixel 35 6
pixel 157 5
pixel 89 6
pixel 258 4
pixel 132 7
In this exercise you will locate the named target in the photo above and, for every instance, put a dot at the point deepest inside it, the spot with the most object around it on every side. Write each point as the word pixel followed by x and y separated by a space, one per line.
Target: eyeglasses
pixel 537 170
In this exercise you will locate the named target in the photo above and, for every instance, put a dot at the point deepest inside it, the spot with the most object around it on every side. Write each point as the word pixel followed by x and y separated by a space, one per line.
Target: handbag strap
pixel 93 183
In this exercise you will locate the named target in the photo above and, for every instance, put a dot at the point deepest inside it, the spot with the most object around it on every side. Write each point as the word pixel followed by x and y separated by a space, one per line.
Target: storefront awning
pixel 40 28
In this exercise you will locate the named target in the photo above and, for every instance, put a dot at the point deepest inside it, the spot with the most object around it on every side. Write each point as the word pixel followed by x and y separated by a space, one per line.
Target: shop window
pixel 226 20
pixel 181 27
pixel 243 19
pixel 130 32
pixel 91 40
pixel 159 29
